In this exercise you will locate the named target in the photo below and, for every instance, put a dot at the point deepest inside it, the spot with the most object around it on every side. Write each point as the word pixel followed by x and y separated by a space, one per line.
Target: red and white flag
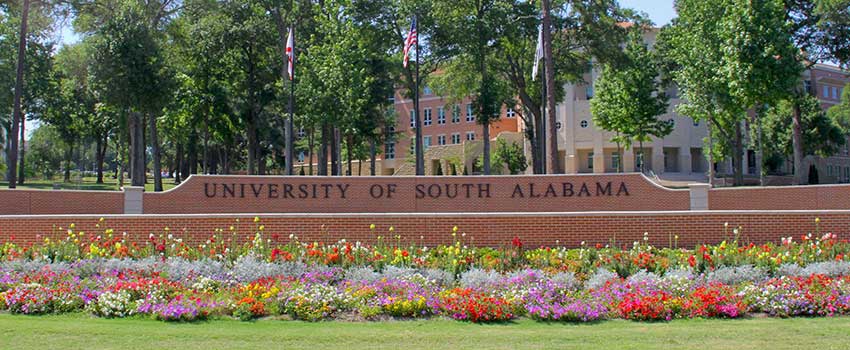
pixel 290 53
pixel 410 42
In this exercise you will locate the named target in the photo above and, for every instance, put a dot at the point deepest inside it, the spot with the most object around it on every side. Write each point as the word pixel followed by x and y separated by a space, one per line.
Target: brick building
pixel 583 148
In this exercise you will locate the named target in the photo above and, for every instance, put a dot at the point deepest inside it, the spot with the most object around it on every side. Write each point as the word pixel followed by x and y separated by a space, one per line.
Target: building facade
pixel 584 148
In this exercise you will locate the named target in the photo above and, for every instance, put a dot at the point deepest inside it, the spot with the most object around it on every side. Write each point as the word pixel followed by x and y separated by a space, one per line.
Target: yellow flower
pixel 72 226
pixel 817 220
pixel 262 227
pixel 372 226
pixel 454 229
pixel 256 219
pixel 392 229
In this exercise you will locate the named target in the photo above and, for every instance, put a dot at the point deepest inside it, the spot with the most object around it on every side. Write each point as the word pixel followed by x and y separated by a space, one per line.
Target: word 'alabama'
pixel 420 191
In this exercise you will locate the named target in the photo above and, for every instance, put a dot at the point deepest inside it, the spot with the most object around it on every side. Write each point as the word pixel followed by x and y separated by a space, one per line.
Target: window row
pixel 428 119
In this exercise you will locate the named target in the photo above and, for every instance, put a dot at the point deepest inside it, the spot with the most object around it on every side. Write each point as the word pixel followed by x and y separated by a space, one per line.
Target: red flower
pixel 516 242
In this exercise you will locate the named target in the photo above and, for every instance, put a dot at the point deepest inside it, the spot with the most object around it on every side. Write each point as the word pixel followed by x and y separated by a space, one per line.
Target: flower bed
pixel 109 276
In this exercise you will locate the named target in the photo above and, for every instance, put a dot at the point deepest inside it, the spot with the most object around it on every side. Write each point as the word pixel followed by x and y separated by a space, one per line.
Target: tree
pixel 840 113
pixel 692 49
pixel 629 97
pixel 471 28
pixel 510 155
pixel 34 21
pixel 589 32
pixel 128 62
pixel 823 134
pixel 758 62
pixel 821 31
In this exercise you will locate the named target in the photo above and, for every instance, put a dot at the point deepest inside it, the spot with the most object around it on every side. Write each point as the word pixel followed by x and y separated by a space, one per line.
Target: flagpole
pixel 542 125
pixel 420 153
pixel 290 153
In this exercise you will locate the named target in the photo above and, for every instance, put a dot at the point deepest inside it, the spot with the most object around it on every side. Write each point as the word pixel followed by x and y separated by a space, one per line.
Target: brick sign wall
pixel 275 194
pixel 482 229
pixel 455 194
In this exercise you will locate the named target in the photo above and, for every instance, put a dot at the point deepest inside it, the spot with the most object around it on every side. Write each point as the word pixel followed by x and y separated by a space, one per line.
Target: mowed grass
pixel 80 331
pixel 86 183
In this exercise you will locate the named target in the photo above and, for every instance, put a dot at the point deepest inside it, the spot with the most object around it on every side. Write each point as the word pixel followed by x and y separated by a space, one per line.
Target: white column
pixel 699 196
pixel 133 199
pixel 685 160
pixel 628 160
pixel 598 158
pixel 658 156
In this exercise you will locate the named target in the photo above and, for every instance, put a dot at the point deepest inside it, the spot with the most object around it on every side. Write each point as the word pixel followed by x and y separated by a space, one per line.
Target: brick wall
pixel 780 198
pixel 190 197
pixel 491 229
pixel 18 201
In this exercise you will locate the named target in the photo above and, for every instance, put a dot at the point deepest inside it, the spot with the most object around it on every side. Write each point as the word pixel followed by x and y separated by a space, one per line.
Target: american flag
pixel 410 42
pixel 290 54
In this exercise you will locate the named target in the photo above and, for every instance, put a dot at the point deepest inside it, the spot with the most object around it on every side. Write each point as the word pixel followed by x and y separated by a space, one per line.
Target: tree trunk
pixel 22 168
pixel 710 154
pixel 206 145
pixel 373 145
pixel 252 148
pixel 69 154
pixel 739 155
pixel 310 147
pixel 349 143
pixel 642 157
pixel 553 164
pixel 99 158
pixel 157 157
pixel 322 159
pixel 485 131
pixel 17 115
pixel 335 152
pixel 797 143
pixel 137 152
pixel 760 152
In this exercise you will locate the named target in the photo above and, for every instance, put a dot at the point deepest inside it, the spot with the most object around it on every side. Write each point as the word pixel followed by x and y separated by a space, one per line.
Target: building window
pixel 588 91
pixel 456 114
pixel 389 150
pixel 470 136
pixel 441 140
pixel 583 124
pixel 639 160
pixel 427 121
pixel 696 122
pixel 825 91
pixel 615 160
pixel 807 86
pixel 671 122
pixel 590 160
pixel 301 133
pixel 456 138
pixel 835 92
pixel 426 90
pixel 441 115
pixel 558 125
pixel 469 116
pixel 510 113
pixel 426 142
pixel 412 120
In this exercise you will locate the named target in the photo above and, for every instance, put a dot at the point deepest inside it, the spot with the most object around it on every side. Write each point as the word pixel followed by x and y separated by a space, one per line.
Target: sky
pixel 659 11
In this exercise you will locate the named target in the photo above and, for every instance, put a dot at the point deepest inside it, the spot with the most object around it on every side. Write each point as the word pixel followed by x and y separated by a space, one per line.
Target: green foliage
pixel 510 155
pixel 629 97
pixel 46 152
pixel 840 113
pixel 821 135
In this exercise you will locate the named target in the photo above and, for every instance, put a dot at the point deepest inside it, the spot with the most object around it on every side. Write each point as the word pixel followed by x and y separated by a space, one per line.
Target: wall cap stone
pixel 451 214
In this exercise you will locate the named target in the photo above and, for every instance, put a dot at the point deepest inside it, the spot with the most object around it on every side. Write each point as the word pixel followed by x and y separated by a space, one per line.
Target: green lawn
pixel 86 183
pixel 80 331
